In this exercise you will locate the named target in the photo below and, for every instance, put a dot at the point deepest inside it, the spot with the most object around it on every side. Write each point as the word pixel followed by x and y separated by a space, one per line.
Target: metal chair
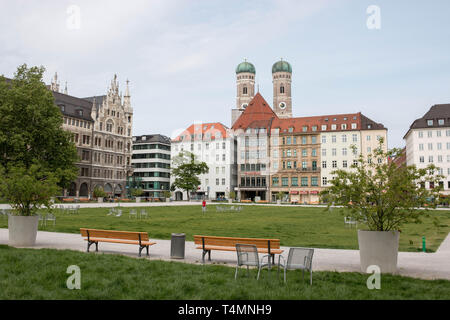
pixel 144 213
pixel 298 258
pixel 349 221
pixel 50 217
pixel 133 213
pixel 41 220
pixel 247 255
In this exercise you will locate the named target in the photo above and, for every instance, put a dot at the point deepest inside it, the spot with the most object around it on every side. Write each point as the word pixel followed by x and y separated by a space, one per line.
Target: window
pixel 223 182
pixel 438 133
pixel 353 125
pixel 343 126
pixel 333 152
pixel 223 157
pixel 314 181
pixel 284 181
pixel 420 146
pixel 324 181
pixel 354 137
pixel 217 181
pixel 324 164
pixel 421 134
pixel 333 139
pixel 430 146
pixel 430 159
pixel 294 181
pixel 324 139
pixel 333 127
pixel 324 127
pixel 314 128
pixel 344 138
pixel 324 152
pixel 303 140
pixel 282 89
pixel 344 151
pixel 334 164
pixel 304 152
pixel 429 123
pixel 275 181
pixel 313 139
pixel 439 146
pixel 441 122
pixel 313 153
pixel 344 163
pixel 368 138
pixel 305 128
pixel 304 181
pixel 244 90
pixel 430 134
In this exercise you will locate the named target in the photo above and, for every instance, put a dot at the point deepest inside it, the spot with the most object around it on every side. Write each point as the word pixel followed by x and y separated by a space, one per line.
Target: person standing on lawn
pixel 204 205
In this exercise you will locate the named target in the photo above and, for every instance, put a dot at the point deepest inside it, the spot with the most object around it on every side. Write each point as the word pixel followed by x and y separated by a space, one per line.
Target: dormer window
pixel 305 128
pixel 369 126
pixel 441 122
pixel 429 123
pixel 291 129
pixel 80 112
pixel 62 107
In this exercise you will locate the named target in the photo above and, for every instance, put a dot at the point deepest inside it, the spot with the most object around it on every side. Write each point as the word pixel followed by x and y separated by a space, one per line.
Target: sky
pixel 180 55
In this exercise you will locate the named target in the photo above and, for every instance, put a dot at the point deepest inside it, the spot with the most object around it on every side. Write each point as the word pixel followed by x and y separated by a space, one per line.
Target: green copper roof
pixel 281 66
pixel 245 67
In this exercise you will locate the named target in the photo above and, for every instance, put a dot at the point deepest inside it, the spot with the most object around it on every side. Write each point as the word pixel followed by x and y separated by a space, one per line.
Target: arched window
pixel 244 90
pixel 282 89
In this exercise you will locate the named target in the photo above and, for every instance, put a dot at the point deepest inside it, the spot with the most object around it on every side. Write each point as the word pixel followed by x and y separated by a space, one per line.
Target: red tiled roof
pixel 203 129
pixel 258 113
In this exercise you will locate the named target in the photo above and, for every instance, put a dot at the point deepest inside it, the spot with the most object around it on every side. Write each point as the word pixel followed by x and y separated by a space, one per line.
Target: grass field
pixel 294 226
pixel 41 274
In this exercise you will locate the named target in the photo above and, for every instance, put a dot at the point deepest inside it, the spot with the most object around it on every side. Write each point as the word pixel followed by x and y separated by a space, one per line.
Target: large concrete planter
pixel 378 248
pixel 278 201
pixel 22 230
pixel 100 200
pixel 138 199
pixel 230 200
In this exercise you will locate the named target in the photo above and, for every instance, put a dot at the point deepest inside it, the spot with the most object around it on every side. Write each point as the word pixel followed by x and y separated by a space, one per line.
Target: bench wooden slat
pixel 144 243
pixel 114 234
pixel 260 250
pixel 231 242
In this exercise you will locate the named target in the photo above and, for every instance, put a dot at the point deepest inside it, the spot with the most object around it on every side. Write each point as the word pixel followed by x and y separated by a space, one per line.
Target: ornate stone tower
pixel 281 78
pixel 245 85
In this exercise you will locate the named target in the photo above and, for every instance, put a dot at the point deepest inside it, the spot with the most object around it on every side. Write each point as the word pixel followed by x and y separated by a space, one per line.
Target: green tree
pixel 186 169
pixel 382 195
pixel 37 158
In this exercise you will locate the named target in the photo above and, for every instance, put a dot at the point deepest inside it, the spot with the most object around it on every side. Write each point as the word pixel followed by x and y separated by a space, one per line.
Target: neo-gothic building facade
pixel 102 132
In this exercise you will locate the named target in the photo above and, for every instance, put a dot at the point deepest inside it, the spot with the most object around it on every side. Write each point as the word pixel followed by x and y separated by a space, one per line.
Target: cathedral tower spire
pixel 245 85
pixel 281 78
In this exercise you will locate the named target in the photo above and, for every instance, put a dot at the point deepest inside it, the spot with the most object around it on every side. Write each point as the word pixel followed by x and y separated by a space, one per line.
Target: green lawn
pixel 294 226
pixel 41 274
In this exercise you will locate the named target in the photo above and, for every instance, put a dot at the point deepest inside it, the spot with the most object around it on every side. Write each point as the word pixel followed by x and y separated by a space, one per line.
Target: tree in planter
pixel 99 193
pixel 384 197
pixel 186 170
pixel 37 158
pixel 232 195
pixel 137 192
pixel 280 195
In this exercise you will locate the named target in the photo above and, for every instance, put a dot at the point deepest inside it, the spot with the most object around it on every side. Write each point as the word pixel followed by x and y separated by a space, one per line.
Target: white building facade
pixel 428 142
pixel 214 144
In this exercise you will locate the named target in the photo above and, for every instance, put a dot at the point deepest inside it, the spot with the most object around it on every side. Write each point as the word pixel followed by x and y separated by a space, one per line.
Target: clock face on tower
pixel 282 105
pixel 244 105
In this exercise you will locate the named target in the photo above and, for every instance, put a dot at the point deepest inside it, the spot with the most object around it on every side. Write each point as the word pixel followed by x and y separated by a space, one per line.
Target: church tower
pixel 245 85
pixel 281 78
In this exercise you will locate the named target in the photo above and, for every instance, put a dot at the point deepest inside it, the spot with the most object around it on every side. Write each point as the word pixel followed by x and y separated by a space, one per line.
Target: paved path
pixel 413 264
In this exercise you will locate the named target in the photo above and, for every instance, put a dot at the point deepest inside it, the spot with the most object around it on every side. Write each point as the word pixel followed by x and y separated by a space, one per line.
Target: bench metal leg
pixel 91 243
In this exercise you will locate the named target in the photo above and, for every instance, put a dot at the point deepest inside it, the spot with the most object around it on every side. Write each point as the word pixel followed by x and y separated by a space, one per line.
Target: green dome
pixel 281 66
pixel 245 67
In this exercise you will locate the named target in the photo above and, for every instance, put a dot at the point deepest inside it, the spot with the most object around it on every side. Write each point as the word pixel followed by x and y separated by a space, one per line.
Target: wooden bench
pixel 208 243
pixel 127 237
